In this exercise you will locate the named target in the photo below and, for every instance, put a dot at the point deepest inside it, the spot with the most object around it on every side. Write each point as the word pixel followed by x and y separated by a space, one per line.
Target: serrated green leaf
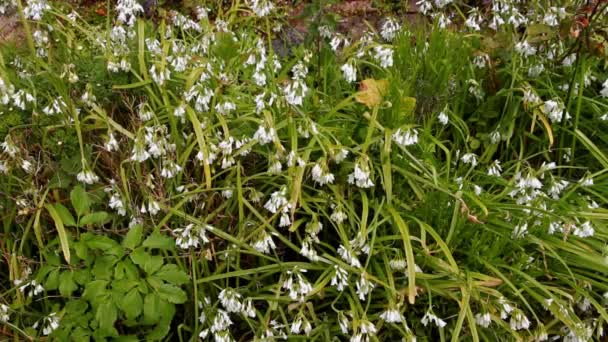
pixel 172 274
pixel 80 200
pixel 99 217
pixel 171 293
pixel 66 283
pixel 157 240
pixel 133 237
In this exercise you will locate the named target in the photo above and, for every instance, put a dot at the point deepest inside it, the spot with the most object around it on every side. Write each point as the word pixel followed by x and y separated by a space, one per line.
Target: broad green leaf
pixel 123 286
pixel 63 237
pixel 99 217
pixel 76 307
pixel 167 311
pixel 106 316
pixel 65 215
pixel 171 293
pixel 151 308
pixel 131 271
pixel 82 250
pixel 172 274
pixel 132 304
pixel 105 244
pixel 52 281
pixel 66 283
pixel 157 240
pixel 139 256
pixel 82 276
pixel 153 263
pixel 94 289
pixel 80 200
pixel 80 334
pixel 104 267
pixel 159 331
pixel 133 237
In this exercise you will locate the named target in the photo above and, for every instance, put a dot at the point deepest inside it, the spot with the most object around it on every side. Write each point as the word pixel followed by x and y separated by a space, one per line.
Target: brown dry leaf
pixel 371 92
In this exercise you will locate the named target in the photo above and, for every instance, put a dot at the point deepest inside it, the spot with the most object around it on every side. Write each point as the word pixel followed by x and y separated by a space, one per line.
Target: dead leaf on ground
pixel 371 92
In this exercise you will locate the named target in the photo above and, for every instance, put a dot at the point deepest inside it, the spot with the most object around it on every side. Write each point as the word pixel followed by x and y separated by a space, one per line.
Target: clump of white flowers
pixel 264 243
pixel 35 9
pixel 296 285
pixel 321 175
pixel 349 72
pixel 87 176
pixel 520 231
pixel 483 320
pixel 389 29
pixel 554 110
pixel 407 137
pixel 469 158
pixel 128 11
pixel 261 8
pixel 584 230
pixel 525 49
pixel 519 321
pixel 49 324
pixel 384 55
pixel 4 314
pixel 363 331
pixel 278 203
pixel 604 91
pixel 430 317
pixel 364 286
pixel 361 175
pixel 495 169
pixel 191 236
pixel 392 315
pixel 296 90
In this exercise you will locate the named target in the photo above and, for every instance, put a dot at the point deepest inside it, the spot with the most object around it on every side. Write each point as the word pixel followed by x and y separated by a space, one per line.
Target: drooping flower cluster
pixel 191 236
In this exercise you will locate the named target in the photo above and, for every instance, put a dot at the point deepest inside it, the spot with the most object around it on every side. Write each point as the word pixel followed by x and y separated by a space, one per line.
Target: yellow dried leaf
pixel 371 92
